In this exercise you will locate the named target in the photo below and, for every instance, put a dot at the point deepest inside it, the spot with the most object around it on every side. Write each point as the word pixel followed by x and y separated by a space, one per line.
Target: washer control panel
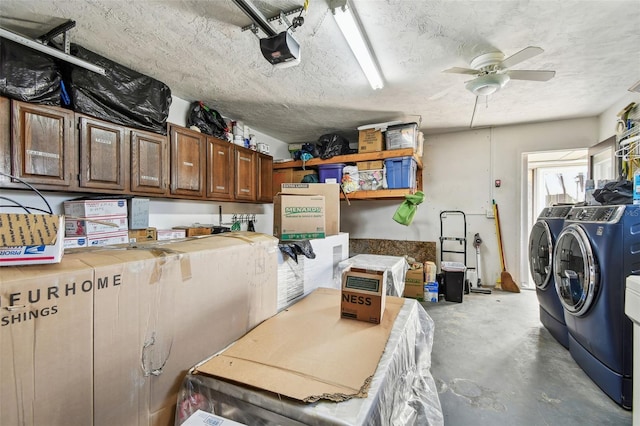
pixel 601 214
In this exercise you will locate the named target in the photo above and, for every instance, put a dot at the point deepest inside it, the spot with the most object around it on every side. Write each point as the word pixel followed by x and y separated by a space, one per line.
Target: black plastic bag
pixel 208 120
pixel 122 96
pixel 295 248
pixel 28 75
pixel 331 145
pixel 619 192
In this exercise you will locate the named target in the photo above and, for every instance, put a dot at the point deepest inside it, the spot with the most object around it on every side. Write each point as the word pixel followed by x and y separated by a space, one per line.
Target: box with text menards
pixel 31 239
pixel 298 217
pixel 331 193
pixel 363 294
pixel 117 328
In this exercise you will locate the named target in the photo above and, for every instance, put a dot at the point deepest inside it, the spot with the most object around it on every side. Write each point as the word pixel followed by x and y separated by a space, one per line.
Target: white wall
pixel 608 118
pixel 166 213
pixel 458 174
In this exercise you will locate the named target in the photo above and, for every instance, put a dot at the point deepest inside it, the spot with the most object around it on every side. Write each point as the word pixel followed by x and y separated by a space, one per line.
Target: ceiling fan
pixel 492 71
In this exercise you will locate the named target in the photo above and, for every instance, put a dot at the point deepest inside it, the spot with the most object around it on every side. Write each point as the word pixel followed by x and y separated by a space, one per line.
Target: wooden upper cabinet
pixel 245 181
pixel 149 163
pixel 104 155
pixel 188 162
pixel 219 169
pixel 44 149
pixel 265 178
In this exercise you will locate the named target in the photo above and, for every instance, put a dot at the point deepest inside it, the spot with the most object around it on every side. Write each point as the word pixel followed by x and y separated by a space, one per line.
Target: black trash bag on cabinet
pixel 208 120
pixel 122 96
pixel 28 75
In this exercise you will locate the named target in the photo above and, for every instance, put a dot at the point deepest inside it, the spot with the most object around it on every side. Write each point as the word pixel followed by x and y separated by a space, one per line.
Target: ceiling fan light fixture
pixel 488 84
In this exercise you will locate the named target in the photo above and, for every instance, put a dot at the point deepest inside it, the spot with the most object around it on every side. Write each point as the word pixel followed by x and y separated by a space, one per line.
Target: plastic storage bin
pixel 328 172
pixel 370 180
pixel 401 172
pixel 402 136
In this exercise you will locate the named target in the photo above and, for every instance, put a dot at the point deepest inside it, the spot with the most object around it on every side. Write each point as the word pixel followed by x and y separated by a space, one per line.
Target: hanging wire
pixel 50 210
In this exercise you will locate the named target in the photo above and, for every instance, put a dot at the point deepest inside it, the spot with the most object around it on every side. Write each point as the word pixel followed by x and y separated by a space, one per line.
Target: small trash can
pixel 453 280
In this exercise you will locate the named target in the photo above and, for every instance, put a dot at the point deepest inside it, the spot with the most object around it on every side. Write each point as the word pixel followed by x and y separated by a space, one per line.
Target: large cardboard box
pixel 370 140
pixel 331 193
pixel 298 217
pixel 117 329
pixel 30 239
pixel 46 342
pixel 363 295
pixel 414 282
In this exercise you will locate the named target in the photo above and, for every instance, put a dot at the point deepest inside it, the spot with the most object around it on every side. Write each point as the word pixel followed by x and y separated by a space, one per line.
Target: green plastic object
pixel 407 210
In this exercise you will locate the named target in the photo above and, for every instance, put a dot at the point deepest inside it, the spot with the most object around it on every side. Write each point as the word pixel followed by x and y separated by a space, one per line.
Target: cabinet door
pixel 149 163
pixel 44 149
pixel 103 155
pixel 245 182
pixel 219 169
pixel 188 162
pixel 265 178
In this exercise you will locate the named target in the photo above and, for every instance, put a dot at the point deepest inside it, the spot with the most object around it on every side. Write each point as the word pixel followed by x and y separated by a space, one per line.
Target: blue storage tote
pixel 401 172
pixel 330 171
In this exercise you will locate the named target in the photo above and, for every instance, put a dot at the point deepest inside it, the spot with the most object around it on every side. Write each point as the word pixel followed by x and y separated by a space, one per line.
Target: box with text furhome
pixel 298 217
pixel 363 294
pixel 115 327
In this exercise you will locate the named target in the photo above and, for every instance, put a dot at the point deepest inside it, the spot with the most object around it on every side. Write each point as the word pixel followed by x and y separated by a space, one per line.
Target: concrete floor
pixel 495 364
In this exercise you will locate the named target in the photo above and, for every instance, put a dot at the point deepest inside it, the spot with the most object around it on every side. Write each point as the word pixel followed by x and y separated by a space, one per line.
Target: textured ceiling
pixel 197 48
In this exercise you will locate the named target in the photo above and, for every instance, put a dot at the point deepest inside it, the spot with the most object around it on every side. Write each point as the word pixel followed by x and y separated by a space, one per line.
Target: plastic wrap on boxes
pixel 396 265
pixel 402 390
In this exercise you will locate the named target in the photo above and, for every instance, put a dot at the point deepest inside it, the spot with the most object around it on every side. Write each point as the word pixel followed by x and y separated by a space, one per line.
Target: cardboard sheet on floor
pixel 308 352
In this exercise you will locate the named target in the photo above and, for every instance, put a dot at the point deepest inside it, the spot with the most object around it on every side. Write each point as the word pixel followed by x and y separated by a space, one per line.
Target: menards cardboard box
pixel 298 217
pixel 414 282
pixel 331 193
pixel 106 336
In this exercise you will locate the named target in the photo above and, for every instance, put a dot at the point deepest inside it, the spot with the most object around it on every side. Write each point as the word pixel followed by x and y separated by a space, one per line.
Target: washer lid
pixel 541 254
pixel 576 270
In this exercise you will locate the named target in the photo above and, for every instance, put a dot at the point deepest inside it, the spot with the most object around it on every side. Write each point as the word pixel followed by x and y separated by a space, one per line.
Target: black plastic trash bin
pixel 453 281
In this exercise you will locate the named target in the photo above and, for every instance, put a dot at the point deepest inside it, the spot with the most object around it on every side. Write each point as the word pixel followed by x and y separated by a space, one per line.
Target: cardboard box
pixel 75 242
pixel 331 193
pixel 370 165
pixel 194 231
pixel 138 212
pixel 363 295
pixel 430 271
pixel 30 239
pixel 307 353
pixel 298 217
pixel 108 239
pixel 117 329
pixel 95 225
pixel 370 140
pixel 95 208
pixel 46 336
pixel 170 234
pixel 139 235
pixel 414 282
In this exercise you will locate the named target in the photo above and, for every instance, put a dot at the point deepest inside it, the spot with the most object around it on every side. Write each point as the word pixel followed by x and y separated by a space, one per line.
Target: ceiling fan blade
pixel 458 70
pixel 523 55
pixel 532 75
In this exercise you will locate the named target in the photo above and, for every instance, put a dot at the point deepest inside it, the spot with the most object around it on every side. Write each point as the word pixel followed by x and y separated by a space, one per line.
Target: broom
pixel 506 281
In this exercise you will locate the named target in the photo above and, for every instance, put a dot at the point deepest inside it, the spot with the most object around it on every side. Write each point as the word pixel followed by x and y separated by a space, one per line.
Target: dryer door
pixel 541 254
pixel 576 270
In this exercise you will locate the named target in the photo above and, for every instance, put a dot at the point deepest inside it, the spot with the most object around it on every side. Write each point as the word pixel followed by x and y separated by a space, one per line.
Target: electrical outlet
pixel 489 214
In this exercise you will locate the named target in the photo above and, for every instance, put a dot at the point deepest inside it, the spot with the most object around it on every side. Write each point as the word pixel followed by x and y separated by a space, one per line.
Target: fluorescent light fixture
pixel 10 35
pixel 352 32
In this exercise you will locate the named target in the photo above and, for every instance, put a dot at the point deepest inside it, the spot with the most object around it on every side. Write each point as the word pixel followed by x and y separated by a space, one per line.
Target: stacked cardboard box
pixel 90 223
